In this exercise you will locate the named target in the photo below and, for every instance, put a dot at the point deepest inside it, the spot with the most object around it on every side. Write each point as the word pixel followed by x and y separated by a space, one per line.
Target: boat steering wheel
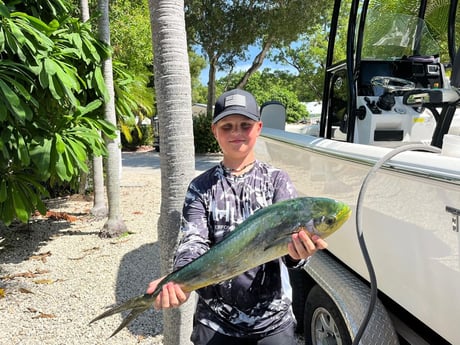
pixel 392 84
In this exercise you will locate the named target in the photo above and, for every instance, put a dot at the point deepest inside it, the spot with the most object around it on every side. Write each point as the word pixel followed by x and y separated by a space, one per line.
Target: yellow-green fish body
pixel 261 238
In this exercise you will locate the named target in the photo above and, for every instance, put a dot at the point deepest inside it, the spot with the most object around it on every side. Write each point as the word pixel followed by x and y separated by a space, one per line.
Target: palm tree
pixel 174 104
pixel 84 7
pixel 99 208
pixel 115 224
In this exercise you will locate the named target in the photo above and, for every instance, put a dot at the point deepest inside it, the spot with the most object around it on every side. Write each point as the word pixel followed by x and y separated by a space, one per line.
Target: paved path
pixel 151 160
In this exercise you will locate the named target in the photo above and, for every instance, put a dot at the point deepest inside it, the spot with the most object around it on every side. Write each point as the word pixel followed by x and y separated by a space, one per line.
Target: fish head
pixel 328 215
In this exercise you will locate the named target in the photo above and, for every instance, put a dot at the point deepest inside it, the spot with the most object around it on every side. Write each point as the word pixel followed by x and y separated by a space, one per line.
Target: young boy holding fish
pixel 254 307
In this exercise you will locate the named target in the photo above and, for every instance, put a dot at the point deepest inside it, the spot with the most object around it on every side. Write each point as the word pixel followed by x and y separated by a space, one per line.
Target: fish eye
pixel 329 221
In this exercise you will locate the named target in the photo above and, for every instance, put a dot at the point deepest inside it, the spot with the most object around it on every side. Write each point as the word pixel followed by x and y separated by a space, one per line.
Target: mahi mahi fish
pixel 262 237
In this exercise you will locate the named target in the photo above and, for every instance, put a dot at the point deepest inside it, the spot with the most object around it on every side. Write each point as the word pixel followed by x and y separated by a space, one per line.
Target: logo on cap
pixel 235 100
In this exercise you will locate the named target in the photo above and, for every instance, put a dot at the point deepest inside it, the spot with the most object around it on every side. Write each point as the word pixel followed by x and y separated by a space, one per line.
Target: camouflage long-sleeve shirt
pixel 258 302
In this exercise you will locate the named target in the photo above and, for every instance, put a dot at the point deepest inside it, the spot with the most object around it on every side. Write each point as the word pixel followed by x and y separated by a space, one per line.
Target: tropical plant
pixel 133 101
pixel 51 91
pixel 203 138
pixel 130 36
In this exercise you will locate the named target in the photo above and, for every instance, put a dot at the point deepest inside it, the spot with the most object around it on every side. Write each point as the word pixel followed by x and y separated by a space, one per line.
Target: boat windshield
pixel 392 36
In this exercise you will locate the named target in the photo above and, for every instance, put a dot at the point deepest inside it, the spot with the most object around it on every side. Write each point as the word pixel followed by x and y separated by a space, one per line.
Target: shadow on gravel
pixel 22 241
pixel 138 268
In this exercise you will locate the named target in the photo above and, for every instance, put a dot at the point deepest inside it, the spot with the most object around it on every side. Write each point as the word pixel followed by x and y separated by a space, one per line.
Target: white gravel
pixel 55 276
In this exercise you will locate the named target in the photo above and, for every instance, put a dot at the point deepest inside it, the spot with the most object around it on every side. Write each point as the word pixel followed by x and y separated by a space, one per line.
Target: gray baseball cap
pixel 236 102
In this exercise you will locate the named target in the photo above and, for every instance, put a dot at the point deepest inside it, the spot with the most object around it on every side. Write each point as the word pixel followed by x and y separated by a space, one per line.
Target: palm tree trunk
pixel 99 208
pixel 84 7
pixel 174 102
pixel 114 225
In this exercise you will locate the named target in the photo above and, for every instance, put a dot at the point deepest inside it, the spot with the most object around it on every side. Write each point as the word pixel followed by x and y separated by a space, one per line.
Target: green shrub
pixel 203 137
pixel 139 136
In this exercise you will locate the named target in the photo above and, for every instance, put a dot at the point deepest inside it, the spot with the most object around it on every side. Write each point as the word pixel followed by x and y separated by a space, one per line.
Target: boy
pixel 255 307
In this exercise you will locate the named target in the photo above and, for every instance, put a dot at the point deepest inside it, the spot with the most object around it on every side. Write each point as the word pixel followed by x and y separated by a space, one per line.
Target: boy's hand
pixel 302 246
pixel 171 296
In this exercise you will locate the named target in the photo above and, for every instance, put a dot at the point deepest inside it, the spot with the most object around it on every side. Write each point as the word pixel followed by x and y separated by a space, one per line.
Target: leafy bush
pixel 139 136
pixel 203 137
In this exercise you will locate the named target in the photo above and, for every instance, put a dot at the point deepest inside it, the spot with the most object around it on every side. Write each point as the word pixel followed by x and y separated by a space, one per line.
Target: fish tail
pixel 140 302
pixel 127 320
pixel 137 305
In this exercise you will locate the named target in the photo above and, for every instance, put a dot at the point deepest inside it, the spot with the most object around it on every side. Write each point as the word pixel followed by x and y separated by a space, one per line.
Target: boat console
pixel 397 100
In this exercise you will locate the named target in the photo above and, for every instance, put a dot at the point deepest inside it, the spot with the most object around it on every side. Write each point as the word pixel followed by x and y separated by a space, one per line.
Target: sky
pixel 244 65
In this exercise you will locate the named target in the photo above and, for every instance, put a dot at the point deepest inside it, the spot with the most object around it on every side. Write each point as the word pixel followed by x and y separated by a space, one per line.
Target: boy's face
pixel 236 135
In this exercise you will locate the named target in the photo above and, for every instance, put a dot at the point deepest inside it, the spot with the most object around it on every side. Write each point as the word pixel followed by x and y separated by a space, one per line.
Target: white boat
pixel 411 206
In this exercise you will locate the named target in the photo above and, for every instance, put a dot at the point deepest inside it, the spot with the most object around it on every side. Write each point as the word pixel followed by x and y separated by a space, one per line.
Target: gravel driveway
pixel 57 275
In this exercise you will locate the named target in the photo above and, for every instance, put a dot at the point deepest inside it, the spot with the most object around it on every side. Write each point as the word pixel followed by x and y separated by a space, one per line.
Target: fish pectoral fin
pixel 284 240
pixel 278 242
pixel 284 237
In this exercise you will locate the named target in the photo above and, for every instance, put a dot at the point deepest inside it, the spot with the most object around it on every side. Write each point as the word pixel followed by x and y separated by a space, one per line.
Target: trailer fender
pixel 351 297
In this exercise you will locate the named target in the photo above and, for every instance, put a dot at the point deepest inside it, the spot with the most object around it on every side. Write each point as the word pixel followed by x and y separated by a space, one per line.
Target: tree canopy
pixel 270 85
pixel 224 30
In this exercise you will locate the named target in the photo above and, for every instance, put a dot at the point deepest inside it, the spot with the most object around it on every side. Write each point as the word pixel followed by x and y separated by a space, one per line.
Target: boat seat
pixel 273 115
